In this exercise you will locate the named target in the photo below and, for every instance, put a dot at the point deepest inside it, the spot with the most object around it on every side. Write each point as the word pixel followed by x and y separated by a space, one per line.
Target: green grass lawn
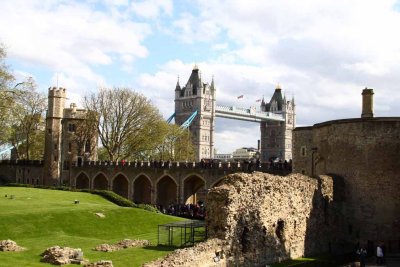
pixel 39 218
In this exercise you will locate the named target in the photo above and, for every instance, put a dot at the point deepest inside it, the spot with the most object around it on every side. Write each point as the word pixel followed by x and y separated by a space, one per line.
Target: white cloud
pixel 152 8
pixel 70 37
pixel 193 29
pixel 220 46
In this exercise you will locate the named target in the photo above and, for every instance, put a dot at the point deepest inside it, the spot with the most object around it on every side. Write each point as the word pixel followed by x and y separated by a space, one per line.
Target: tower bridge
pixel 196 109
pixel 246 114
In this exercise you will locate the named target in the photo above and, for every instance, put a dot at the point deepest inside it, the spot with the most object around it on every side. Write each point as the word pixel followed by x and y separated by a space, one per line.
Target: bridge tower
pixel 52 147
pixel 200 97
pixel 276 136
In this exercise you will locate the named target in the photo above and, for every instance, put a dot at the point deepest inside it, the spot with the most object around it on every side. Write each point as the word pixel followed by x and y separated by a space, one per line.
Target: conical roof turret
pixel 277 96
pixel 177 87
pixel 212 83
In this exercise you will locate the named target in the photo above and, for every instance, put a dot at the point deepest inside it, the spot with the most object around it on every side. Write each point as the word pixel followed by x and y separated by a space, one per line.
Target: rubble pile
pixel 205 254
pixel 126 243
pixel 63 255
pixel 101 263
pixel 9 245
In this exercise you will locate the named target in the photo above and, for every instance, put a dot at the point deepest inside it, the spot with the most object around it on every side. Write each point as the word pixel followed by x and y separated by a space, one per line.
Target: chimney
pixel 73 107
pixel 367 103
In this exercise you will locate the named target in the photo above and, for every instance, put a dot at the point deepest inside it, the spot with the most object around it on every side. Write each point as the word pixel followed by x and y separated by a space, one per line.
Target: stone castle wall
pixel 30 172
pixel 267 218
pixel 257 219
pixel 365 154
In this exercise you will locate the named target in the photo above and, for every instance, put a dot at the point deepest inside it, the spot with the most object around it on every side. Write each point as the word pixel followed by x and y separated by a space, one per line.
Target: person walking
pixel 362 254
pixel 379 255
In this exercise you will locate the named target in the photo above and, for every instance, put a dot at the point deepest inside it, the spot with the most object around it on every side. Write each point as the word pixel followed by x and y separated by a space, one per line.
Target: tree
pixel 7 93
pixel 27 131
pixel 184 149
pixel 141 145
pixel 6 78
pixel 176 146
pixel 123 117
pixel 84 137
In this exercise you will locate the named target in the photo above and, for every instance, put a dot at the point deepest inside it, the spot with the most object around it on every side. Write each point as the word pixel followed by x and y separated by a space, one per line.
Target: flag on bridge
pixel 241 96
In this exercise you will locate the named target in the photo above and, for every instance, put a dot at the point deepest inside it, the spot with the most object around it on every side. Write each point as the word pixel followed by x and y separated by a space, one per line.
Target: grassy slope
pixel 39 218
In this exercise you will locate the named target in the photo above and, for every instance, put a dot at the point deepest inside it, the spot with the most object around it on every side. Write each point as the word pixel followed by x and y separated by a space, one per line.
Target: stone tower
pixel 52 151
pixel 200 97
pixel 367 103
pixel 276 137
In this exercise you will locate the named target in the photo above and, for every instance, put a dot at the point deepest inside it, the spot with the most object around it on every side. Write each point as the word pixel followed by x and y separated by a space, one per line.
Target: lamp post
pixel 314 150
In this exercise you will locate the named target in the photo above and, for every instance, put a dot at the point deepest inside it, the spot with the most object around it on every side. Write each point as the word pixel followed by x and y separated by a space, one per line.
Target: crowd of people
pixel 254 163
pixel 192 211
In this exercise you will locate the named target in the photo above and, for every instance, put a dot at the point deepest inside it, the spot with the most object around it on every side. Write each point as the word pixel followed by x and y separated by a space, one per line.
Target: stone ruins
pixel 100 264
pixel 126 243
pixel 9 245
pixel 63 255
pixel 256 219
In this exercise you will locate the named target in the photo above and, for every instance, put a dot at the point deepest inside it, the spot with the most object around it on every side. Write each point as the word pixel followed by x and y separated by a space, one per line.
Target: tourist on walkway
pixel 379 255
pixel 362 254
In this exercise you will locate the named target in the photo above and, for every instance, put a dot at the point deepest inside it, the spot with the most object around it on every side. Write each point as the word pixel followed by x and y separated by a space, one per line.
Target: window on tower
pixel 71 127
pixel 87 146
pixel 303 151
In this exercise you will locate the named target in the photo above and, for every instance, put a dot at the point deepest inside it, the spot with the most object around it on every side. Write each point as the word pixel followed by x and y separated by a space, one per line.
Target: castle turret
pixel 52 151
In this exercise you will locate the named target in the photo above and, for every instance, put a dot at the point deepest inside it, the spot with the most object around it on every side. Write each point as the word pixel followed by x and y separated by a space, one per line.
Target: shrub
pixel 114 198
pixel 148 207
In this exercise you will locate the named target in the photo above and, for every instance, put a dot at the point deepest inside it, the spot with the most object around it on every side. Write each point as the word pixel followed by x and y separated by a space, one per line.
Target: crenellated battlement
pixel 57 92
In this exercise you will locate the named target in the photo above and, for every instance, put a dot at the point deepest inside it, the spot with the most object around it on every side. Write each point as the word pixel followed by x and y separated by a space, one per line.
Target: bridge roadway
pixel 146 182
pixel 246 114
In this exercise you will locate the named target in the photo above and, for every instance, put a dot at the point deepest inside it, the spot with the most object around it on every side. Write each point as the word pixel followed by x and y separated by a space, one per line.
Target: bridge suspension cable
pixel 170 118
pixel 8 148
pixel 189 121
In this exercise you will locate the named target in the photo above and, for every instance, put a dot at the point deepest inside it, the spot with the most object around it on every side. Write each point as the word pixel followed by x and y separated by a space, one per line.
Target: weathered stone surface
pixel 126 243
pixel 201 255
pixel 365 155
pixel 9 245
pixel 63 255
pixel 101 263
pixel 258 218
pixel 267 218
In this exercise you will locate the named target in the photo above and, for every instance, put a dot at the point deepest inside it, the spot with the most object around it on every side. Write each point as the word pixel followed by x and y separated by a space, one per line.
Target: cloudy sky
pixel 321 52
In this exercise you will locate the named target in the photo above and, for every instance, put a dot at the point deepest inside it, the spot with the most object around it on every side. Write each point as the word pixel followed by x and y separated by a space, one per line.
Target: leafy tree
pixel 102 154
pixel 124 116
pixel 7 93
pixel 142 144
pixel 6 78
pixel 184 149
pixel 84 137
pixel 27 134
pixel 176 146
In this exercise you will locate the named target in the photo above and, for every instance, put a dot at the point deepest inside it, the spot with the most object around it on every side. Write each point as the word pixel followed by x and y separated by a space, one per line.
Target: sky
pixel 322 53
